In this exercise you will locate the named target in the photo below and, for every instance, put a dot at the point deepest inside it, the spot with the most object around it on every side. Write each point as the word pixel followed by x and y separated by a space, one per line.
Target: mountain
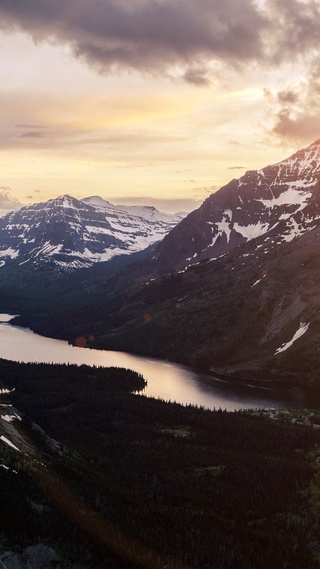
pixel 279 202
pixel 232 288
pixel 68 234
pixel 126 212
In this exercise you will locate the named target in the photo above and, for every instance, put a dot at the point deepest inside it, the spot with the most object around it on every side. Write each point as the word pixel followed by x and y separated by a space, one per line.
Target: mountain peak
pixel 97 201
pixel 65 200
pixel 274 204
pixel 69 233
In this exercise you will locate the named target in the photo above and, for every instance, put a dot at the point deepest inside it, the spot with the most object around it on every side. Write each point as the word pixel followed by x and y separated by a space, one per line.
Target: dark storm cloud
pixel 148 35
pixel 153 35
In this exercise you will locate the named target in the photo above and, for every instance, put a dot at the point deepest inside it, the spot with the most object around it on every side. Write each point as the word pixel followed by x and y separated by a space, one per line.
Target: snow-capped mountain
pixel 69 234
pixel 252 310
pixel 125 212
pixel 279 202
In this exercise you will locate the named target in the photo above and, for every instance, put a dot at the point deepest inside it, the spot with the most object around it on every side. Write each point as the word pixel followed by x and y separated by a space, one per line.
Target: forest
pixel 120 480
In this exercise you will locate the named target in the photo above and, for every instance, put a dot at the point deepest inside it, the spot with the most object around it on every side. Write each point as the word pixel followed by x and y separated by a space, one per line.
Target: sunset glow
pixel 149 99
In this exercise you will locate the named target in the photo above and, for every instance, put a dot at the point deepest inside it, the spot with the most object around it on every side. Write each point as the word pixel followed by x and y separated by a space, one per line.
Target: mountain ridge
pixel 69 234
pixel 284 195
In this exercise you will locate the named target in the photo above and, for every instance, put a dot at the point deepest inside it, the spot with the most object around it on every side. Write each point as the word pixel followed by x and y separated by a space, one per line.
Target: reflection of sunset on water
pixel 165 380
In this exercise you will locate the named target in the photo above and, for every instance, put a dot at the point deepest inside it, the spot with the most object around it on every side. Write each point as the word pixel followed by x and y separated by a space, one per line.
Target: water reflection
pixel 167 381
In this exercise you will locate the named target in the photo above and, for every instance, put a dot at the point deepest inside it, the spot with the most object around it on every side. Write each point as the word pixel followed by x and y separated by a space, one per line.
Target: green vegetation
pixel 137 482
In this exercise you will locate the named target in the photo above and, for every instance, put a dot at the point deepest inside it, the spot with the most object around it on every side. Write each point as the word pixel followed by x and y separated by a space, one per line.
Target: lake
pixel 168 381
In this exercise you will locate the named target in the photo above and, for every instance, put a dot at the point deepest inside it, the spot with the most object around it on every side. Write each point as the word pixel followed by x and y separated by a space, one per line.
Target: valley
pixel 217 310
pixel 159 284
pixel 226 289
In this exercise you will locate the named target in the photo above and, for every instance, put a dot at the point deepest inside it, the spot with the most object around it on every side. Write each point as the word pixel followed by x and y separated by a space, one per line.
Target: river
pixel 167 381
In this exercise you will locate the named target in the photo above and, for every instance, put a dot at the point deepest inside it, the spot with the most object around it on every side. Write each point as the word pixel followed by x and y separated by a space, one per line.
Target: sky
pixel 152 101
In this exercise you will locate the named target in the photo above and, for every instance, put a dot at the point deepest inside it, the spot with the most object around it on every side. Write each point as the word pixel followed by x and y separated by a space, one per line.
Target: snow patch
pixel 224 224
pixel 252 230
pixel 291 196
pixel 193 257
pixel 10 418
pixel 9 253
pixel 302 330
pixel 9 443
pixel 4 390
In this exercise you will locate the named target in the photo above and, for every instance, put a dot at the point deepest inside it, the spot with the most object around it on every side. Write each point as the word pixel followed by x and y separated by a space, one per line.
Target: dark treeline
pixel 198 488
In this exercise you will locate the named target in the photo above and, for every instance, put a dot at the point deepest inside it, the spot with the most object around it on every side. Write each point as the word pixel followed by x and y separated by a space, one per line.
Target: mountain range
pixel 233 287
pixel 94 475
pixel 69 234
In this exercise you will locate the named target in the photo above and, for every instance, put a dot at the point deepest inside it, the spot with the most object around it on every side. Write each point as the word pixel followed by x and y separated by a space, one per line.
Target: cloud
pixel 296 28
pixel 304 126
pixel 33 126
pixel 154 36
pixel 7 200
pixel 33 135
pixel 148 36
pixel 204 190
pixel 197 76
pixel 193 40
pixel 297 116
pixel 134 166
pixel 288 97
pixel 236 167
